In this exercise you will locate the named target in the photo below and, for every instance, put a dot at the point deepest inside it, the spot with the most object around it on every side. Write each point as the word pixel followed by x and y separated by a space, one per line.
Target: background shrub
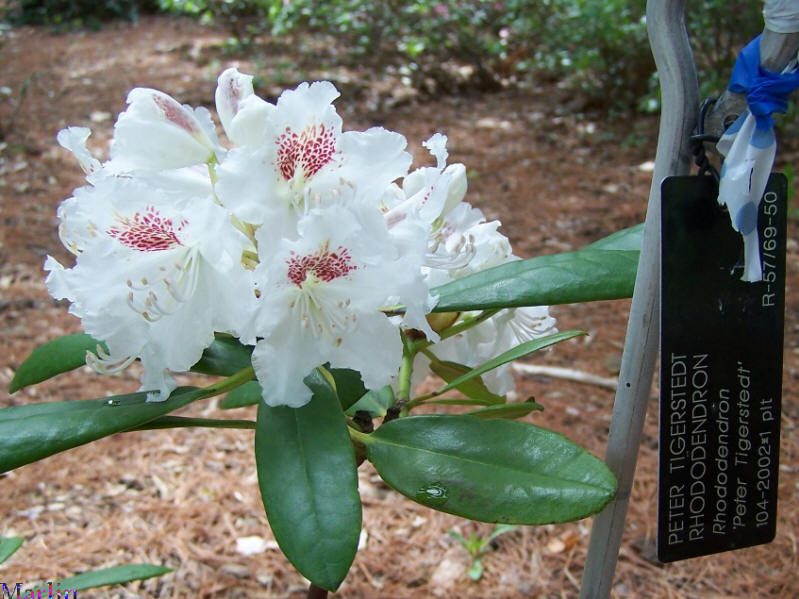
pixel 597 48
pixel 64 14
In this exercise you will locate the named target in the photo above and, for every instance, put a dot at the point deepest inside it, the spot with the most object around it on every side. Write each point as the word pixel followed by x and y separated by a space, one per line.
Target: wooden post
pixel 679 106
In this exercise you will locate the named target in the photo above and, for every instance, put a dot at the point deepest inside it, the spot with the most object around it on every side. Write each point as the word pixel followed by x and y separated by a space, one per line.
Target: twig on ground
pixel 568 374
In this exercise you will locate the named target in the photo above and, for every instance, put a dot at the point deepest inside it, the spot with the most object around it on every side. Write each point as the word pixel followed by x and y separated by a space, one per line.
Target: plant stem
pixel 404 380
pixel 419 399
pixel 235 380
pixel 358 436
pixel 315 592
pixel 432 394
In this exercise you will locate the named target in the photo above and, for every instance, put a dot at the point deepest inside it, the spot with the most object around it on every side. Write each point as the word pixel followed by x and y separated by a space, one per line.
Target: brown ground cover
pixel 557 180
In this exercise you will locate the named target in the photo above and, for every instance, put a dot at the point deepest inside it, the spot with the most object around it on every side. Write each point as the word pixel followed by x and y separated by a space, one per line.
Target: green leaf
pixel 515 353
pixel 309 484
pixel 32 432
pixel 509 410
pixel 104 577
pixel 183 422
pixel 457 401
pixel 224 357
pixel 57 356
pixel 626 239
pixel 500 529
pixel 490 470
pixel 376 402
pixel 475 571
pixel 249 394
pixel 460 538
pixel 9 546
pixel 474 388
pixel 349 386
pixel 603 270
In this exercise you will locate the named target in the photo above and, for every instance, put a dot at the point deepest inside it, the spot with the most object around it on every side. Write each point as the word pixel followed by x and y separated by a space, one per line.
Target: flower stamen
pixel 180 283
pixel 102 363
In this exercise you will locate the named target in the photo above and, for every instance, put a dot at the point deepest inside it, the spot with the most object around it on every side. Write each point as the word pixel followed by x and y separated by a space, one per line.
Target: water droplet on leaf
pixel 112 402
pixel 433 494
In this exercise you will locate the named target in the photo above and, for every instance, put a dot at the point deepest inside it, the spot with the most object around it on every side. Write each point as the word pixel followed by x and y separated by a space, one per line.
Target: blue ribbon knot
pixel 766 92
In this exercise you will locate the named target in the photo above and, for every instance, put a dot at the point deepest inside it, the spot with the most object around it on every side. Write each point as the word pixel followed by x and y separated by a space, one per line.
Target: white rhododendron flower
pixel 155 275
pixel 314 244
pixel 305 159
pixel 321 296
pixel 461 242
pixel 465 230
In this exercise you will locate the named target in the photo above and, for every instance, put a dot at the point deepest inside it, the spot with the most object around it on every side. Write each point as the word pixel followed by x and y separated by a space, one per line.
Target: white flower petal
pixel 247 185
pixel 281 369
pixel 306 104
pixel 232 88
pixel 157 132
pixel 373 159
pixel 243 114
pixel 249 126
pixel 437 145
pixel 456 186
pixel 74 139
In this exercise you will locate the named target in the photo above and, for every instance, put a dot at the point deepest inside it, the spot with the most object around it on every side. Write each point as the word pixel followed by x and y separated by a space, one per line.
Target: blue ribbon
pixel 766 92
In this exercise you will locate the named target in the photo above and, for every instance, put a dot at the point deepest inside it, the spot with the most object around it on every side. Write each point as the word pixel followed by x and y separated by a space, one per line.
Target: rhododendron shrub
pixel 315 273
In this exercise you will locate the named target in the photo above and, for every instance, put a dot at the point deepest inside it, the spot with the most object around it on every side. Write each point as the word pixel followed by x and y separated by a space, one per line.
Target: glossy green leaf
pixel 515 353
pixel 490 470
pixel 376 402
pixel 32 432
pixel 309 484
pixel 603 270
pixel 473 387
pixel 513 410
pixel 626 239
pixel 224 357
pixel 184 422
pixel 9 546
pixel 458 401
pixel 249 394
pixel 104 577
pixel 349 386
pixel 57 356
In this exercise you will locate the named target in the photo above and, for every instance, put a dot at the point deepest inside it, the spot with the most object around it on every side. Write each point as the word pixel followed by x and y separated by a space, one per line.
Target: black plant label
pixel 720 373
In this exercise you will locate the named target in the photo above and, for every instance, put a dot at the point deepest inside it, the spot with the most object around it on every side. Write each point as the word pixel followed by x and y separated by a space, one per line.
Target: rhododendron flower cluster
pixel 313 244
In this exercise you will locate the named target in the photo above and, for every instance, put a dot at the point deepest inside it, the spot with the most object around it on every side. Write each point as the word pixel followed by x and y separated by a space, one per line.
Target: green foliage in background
pixel 68 14
pixel 597 48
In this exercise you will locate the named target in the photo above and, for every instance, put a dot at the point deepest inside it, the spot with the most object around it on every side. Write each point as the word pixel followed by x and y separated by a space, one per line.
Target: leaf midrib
pixel 480 462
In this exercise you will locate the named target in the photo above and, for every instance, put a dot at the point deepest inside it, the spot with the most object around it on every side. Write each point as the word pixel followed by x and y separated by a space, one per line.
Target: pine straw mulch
pixel 184 497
